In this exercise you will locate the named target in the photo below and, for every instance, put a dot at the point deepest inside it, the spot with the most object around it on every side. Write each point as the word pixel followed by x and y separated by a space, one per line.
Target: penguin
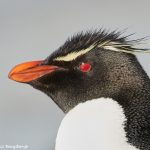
pixel 95 76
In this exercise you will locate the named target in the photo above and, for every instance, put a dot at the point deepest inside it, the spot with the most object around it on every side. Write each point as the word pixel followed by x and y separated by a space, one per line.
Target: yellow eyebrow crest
pixel 73 55
pixel 108 45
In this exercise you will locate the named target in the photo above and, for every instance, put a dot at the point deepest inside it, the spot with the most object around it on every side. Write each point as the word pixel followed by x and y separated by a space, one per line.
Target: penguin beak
pixel 30 71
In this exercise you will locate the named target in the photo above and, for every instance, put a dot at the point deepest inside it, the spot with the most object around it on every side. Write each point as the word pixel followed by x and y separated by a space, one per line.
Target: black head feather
pixel 102 39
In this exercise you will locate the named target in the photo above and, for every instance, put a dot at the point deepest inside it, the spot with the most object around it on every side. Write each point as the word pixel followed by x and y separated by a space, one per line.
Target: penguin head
pixel 87 66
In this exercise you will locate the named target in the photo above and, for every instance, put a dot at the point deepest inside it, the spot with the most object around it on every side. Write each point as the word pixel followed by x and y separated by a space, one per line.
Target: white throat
pixel 94 125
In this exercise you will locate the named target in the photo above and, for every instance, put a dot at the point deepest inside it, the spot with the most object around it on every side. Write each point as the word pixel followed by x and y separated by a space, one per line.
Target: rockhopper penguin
pixel 101 68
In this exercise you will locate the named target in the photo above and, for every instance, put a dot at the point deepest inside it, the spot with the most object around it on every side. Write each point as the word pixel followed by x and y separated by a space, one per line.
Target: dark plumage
pixel 115 73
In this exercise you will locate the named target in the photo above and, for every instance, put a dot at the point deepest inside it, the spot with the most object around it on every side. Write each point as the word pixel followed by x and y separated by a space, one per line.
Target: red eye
pixel 85 67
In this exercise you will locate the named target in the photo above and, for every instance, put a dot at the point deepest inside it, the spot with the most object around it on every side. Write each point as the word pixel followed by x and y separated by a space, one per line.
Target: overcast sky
pixel 31 30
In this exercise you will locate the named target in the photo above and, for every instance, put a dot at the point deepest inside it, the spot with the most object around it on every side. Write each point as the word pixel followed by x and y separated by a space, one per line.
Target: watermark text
pixel 14 147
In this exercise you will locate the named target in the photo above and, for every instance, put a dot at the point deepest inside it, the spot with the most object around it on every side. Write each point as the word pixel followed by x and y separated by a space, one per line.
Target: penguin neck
pixel 134 97
pixel 137 110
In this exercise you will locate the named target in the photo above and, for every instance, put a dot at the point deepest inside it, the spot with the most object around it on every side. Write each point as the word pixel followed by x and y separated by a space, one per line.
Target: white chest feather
pixel 94 125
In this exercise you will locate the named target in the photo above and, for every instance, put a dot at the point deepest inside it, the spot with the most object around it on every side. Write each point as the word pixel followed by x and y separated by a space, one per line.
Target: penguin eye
pixel 85 67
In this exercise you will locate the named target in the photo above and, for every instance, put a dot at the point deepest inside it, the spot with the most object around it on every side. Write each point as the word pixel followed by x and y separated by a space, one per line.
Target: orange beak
pixel 30 71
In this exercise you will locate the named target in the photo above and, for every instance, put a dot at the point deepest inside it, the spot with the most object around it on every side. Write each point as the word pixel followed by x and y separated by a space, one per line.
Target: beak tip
pixel 10 75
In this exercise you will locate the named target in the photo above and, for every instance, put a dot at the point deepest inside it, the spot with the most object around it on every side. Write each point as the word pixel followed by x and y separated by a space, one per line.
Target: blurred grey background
pixel 31 30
